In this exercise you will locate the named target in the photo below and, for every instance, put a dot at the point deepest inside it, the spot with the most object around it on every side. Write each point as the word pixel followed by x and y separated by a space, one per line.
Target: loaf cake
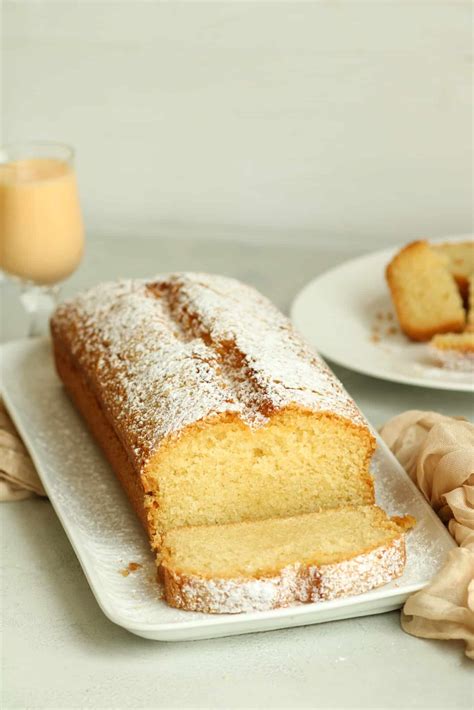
pixel 283 561
pixel 210 407
pixel 458 258
pixel 424 292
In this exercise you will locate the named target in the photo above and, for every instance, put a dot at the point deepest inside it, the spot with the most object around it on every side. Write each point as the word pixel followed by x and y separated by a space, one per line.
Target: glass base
pixel 38 302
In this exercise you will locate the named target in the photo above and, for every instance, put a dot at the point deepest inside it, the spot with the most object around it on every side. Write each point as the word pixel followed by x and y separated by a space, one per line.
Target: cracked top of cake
pixel 165 353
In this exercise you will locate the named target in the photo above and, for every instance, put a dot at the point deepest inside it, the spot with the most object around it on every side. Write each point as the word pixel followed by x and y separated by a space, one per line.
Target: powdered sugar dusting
pixel 163 354
pixel 232 596
pixel 451 359
pixel 295 584
pixel 363 572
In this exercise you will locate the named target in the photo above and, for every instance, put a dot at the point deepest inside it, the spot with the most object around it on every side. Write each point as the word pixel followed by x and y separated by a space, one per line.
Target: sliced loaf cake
pixel 209 405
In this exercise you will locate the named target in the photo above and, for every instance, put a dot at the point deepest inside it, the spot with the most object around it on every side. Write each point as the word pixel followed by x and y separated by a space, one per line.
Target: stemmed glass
pixel 41 229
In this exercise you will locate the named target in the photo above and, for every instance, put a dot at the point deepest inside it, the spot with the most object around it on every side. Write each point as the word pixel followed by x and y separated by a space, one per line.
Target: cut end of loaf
pixel 225 471
pixel 279 562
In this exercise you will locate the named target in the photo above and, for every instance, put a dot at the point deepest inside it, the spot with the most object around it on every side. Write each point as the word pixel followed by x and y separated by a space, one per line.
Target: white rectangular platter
pixel 107 537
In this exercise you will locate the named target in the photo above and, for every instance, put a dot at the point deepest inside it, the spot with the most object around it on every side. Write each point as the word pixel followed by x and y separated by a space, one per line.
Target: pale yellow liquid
pixel 41 230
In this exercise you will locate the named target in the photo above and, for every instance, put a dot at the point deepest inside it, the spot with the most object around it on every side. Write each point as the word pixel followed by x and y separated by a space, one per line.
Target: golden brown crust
pixel 102 431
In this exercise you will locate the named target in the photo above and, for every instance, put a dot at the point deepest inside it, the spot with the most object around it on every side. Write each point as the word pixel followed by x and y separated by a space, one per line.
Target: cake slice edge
pixel 295 583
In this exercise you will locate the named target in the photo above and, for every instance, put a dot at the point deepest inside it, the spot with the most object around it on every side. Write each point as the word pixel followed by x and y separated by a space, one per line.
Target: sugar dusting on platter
pixel 103 527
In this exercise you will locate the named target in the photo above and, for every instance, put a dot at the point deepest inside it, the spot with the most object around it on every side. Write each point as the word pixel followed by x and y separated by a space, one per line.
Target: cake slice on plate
pixel 282 561
pixel 424 292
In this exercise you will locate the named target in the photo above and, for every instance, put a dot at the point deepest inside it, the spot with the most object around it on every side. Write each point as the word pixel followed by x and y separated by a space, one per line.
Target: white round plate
pixel 347 314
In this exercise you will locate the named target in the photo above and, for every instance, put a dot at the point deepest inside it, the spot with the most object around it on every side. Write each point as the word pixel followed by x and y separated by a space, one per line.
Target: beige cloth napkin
pixel 18 477
pixel 438 453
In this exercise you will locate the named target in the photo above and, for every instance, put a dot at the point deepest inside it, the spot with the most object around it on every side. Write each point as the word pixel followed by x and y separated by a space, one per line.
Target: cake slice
pixel 458 258
pixel 282 561
pixel 454 351
pixel 424 293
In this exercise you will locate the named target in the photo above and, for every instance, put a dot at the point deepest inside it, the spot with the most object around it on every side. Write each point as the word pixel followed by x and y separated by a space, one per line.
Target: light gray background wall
pixel 348 121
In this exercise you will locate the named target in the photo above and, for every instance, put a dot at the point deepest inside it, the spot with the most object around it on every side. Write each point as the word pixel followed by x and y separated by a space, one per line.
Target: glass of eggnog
pixel 41 229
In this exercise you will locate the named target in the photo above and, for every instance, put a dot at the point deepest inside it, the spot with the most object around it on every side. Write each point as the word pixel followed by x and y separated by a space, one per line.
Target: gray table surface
pixel 60 651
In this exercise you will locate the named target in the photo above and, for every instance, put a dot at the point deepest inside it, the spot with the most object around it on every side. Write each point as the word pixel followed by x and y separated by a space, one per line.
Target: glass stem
pixel 38 302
